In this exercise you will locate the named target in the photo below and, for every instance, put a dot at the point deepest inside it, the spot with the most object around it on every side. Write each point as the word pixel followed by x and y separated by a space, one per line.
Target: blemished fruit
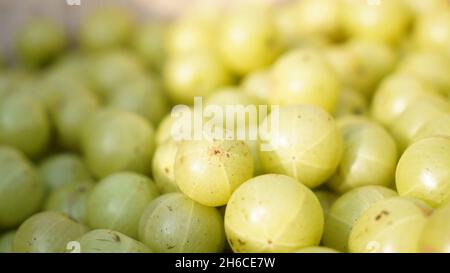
pixel 195 73
pixel 435 237
pixel 395 94
pixel 71 199
pixel 423 171
pixel 62 169
pixel 346 210
pixel 24 124
pixel 6 241
pixel 175 223
pixel 163 164
pixel 109 241
pixel 114 140
pixel 273 213
pixel 390 225
pixel 316 249
pixel 47 232
pixel 248 40
pixel 106 28
pixel 351 102
pixel 40 41
pixel 302 141
pixel 118 201
pixel 304 76
pixel 387 21
pixel 369 157
pixel 21 189
pixel 208 171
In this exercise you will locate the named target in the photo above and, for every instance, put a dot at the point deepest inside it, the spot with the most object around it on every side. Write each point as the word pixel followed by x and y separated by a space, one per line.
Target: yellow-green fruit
pixel 144 97
pixel 304 76
pixel 164 130
pixel 209 171
pixel 248 40
pixel 351 102
pixel 316 249
pixel 395 94
pixel 387 21
pixel 433 31
pixel 175 223
pixel 423 171
pixel 6 241
pixel 114 140
pixel 21 190
pixel 420 7
pixel 163 164
pixel 24 124
pixel 391 225
pixel 109 241
pixel 429 66
pixel 196 73
pixel 40 41
pixel 346 210
pixel 47 232
pixel 415 117
pixel 369 158
pixel 326 199
pixel 303 142
pixel 148 42
pixel 273 213
pixel 319 18
pixel 62 169
pixel 71 199
pixel 105 28
pixel 118 201
pixel 435 236
pixel 437 127
pixel 257 84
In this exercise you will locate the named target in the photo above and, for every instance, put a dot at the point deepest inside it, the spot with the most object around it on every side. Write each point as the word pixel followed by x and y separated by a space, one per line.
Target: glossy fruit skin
pixel 248 40
pixel 118 201
pixel 209 171
pixel 435 236
pixel 415 117
pixel 163 164
pixel 114 140
pixel 47 232
pixel 143 97
pixel 109 241
pixel 369 158
pixel 196 73
pixel 423 172
pixel 346 210
pixel 148 42
pixel 307 145
pixel 71 199
pixel 39 42
pixel 395 94
pixel 24 124
pixel 304 76
pixel 386 22
pixel 390 225
pixel 316 249
pixel 285 216
pixel 175 223
pixel 6 241
pixel 62 169
pixel 433 31
pixel 105 28
pixel 21 189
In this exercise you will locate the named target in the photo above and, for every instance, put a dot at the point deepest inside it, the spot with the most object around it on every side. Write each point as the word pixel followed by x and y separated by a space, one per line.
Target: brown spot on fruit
pixel 381 214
